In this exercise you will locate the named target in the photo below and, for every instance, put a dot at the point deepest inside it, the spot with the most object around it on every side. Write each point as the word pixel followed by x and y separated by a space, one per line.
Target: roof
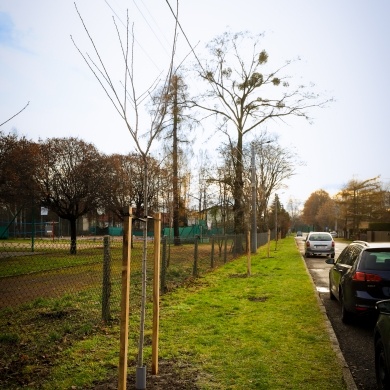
pixel 373 244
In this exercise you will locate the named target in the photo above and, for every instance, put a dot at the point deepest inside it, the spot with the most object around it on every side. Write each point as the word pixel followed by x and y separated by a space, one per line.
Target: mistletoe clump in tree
pixel 244 93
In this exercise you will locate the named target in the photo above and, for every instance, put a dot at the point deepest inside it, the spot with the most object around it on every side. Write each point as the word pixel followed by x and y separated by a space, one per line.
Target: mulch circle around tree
pixel 171 375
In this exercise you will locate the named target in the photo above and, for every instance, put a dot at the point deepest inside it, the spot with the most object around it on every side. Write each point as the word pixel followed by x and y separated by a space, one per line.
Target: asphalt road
pixel 355 340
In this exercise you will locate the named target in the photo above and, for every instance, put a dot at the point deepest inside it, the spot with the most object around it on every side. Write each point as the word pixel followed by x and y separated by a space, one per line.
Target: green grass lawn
pixel 263 331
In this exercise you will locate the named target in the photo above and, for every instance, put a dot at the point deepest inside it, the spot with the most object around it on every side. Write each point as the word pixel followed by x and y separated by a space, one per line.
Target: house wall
pixel 375 236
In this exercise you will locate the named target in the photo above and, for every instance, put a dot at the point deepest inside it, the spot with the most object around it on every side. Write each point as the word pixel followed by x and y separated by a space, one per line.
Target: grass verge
pixel 263 331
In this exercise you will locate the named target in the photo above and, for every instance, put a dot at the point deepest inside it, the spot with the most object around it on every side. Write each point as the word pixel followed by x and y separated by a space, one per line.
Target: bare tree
pixel 293 208
pixel 70 175
pixel 127 103
pixel 19 159
pixel 125 184
pixel 244 95
pixel 18 162
pixel 274 165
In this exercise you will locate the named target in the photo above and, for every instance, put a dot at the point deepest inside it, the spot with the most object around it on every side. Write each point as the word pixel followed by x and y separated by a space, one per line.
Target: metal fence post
pixel 225 249
pixel 106 293
pixel 164 265
pixel 212 253
pixel 195 268
pixel 268 241
pixel 248 252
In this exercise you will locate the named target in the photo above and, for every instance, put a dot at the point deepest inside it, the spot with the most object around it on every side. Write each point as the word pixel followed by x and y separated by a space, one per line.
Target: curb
pixel 347 376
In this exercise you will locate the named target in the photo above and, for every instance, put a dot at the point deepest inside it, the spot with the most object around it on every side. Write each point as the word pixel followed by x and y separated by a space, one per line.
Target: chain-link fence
pixel 48 295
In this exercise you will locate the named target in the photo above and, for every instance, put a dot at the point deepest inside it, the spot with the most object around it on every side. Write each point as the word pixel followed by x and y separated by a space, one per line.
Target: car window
pixel 375 260
pixel 320 237
pixel 354 254
pixel 349 255
pixel 343 255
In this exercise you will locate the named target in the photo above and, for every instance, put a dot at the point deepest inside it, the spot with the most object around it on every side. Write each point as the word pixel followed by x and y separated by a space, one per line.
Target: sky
pixel 343 48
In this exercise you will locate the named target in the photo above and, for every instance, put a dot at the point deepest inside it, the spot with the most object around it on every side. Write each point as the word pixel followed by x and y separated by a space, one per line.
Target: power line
pixel 185 36
pixel 151 16
pixel 135 39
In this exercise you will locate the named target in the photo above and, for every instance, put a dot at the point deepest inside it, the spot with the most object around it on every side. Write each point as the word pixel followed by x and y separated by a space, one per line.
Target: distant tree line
pixel 72 178
pixel 359 205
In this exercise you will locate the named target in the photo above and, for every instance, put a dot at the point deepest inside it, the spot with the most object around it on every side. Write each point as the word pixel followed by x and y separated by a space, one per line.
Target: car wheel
pixel 332 255
pixel 346 316
pixel 382 374
pixel 307 254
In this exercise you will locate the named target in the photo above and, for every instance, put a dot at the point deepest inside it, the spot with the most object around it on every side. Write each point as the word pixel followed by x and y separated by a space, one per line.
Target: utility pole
pixel 276 219
pixel 254 205
pixel 175 187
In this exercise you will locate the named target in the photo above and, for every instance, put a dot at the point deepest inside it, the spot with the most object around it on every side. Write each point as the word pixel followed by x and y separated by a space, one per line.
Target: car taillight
pixel 308 243
pixel 332 244
pixel 364 277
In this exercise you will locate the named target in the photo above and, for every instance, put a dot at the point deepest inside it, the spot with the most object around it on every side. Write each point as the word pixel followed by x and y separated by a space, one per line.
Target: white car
pixel 319 243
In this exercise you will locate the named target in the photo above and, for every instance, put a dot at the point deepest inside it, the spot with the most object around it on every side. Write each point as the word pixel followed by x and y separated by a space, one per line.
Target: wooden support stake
pixel 125 298
pixel 156 292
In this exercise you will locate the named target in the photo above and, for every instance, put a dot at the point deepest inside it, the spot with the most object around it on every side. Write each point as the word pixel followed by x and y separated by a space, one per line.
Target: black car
pixel 382 345
pixel 360 277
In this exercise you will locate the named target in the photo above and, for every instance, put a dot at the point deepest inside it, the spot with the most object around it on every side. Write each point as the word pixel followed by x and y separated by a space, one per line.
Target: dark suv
pixel 360 277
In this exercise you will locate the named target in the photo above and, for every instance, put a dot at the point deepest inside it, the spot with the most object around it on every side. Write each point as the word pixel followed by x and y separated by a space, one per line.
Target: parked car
pixel 299 233
pixel 360 277
pixel 382 345
pixel 319 243
pixel 334 234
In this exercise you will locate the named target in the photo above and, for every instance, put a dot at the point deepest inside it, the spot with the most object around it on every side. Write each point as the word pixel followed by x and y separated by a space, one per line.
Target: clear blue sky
pixel 343 46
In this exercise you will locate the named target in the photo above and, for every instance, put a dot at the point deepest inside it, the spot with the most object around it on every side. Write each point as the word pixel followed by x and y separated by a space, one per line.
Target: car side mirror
pixel 383 306
pixel 329 261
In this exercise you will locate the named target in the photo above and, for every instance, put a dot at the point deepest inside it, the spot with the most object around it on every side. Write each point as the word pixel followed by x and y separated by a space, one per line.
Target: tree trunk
pixel 238 189
pixel 73 236
pixel 239 223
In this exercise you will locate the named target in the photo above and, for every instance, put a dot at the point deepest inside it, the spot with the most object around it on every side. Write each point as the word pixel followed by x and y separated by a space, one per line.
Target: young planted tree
pixel 128 103
pixel 243 93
